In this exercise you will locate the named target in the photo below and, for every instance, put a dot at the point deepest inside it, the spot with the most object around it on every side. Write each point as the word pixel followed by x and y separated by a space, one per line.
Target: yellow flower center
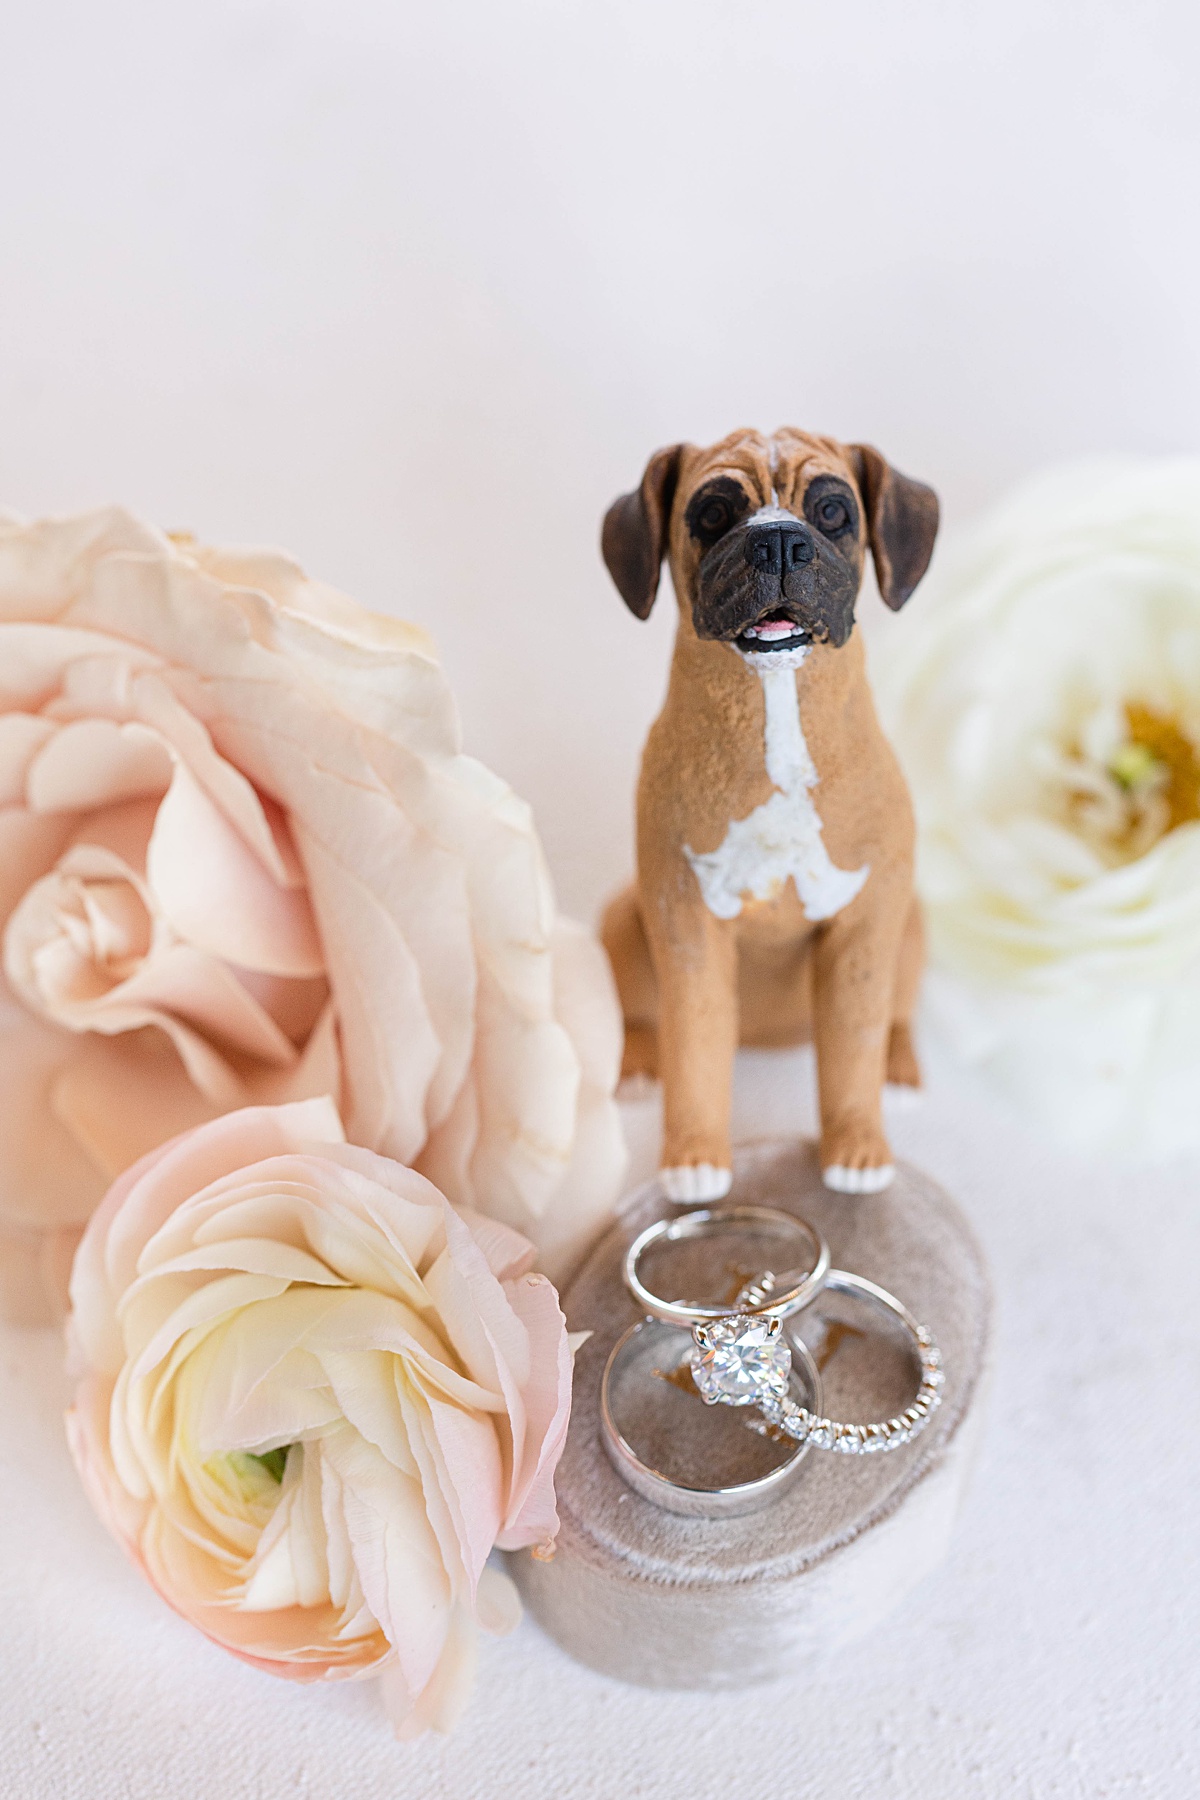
pixel 1160 755
pixel 1144 787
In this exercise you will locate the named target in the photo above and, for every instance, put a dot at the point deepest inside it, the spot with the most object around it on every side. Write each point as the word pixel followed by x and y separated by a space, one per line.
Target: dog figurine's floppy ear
pixel 633 541
pixel 902 522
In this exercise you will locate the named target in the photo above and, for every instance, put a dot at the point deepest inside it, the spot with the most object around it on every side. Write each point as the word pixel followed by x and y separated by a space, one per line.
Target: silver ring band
pixel 760 1297
pixel 691 1499
pixel 743 1360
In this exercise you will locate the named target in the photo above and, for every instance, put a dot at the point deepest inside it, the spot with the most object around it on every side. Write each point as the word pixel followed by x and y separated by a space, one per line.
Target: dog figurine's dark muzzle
pixel 778 569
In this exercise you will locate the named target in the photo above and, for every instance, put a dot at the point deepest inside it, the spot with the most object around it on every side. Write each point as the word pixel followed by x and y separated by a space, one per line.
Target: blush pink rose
pixel 244 860
pixel 311 1398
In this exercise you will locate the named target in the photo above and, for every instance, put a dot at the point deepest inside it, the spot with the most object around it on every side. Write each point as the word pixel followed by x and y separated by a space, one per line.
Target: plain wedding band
pixel 718 1501
pixel 713 1221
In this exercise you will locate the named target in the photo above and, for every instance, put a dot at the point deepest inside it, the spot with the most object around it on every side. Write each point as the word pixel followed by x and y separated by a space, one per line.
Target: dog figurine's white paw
pixel 858 1181
pixel 690 1183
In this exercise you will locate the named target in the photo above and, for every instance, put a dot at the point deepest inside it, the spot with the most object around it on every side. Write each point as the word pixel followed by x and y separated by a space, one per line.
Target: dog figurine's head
pixel 766 537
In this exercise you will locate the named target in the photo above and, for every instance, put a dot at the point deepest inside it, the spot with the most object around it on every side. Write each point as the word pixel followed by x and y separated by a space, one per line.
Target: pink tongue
pixel 776 628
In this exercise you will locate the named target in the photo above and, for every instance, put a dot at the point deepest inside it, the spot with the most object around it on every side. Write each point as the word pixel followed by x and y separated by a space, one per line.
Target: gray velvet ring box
pixel 666 1601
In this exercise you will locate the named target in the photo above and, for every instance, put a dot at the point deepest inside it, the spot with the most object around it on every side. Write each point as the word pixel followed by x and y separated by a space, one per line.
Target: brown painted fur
pixel 693 985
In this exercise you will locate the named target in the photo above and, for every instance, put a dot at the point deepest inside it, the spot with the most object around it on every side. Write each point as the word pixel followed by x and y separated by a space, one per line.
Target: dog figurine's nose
pixel 775 548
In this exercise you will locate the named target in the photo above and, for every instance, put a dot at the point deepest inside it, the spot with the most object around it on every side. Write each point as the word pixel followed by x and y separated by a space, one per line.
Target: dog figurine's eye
pixel 833 515
pixel 714 509
pixel 714 517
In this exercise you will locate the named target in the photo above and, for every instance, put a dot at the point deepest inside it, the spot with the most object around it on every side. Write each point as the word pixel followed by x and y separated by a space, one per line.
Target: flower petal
pixel 217 894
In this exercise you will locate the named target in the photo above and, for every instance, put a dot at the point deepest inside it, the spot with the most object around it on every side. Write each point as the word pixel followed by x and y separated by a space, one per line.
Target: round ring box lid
pixel 652 1597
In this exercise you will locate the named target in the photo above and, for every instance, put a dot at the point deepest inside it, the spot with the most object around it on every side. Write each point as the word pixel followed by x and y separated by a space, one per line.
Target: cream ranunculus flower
pixel 1045 701
pixel 243 860
pixel 311 1398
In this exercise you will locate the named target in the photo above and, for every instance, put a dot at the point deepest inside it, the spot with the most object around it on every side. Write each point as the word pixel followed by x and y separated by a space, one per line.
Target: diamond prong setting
pixel 743 1359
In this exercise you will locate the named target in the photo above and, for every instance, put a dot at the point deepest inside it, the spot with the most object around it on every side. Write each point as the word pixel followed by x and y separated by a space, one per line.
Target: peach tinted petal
pixel 531 1515
pixel 316 1071
pixel 96 762
pixel 144 1196
pixel 21 736
pixel 527 1072
pixel 45 565
pixel 487 1336
pixel 119 1097
pixel 47 1179
pixel 397 690
pixel 363 855
pixel 388 896
pixel 154 701
pixel 87 1434
pixel 29 847
pixel 390 1048
pixel 585 1005
pixel 217 894
pixel 461 1463
pixel 35 1268
pixel 53 958
pixel 506 1252
pixel 401 1569
pixel 439 1705
pixel 34 659
pixel 498 1605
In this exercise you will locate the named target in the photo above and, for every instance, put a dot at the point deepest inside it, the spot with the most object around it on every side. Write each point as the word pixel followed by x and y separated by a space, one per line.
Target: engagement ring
pixel 745 1359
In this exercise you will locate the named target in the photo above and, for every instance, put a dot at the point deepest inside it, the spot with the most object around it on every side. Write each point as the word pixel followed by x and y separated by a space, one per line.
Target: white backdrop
pixel 413 290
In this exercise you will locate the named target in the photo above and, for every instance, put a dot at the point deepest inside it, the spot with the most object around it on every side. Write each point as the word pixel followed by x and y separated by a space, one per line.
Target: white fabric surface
pixel 1052 1655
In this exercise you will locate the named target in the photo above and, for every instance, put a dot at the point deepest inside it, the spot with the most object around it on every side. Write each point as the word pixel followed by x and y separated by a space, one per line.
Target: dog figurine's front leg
pixel 695 961
pixel 855 958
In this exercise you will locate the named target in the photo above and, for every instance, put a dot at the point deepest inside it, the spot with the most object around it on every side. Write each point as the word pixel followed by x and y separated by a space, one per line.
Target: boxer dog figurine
pixel 774 895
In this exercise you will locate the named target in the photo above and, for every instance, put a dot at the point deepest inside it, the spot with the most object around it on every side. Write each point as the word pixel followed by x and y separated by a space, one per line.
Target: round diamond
pixel 742 1360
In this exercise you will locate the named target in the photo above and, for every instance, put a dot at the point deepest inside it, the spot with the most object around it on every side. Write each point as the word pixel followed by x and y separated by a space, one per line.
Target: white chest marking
pixel 782 837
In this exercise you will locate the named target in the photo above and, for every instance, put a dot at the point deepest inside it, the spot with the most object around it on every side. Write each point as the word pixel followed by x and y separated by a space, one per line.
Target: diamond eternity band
pixel 745 1359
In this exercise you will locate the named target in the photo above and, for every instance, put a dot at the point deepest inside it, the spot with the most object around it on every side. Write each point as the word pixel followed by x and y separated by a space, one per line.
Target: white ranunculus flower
pixel 310 1398
pixel 1045 701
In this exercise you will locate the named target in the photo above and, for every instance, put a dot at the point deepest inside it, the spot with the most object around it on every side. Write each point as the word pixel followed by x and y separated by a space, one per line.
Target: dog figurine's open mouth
pixel 776 632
